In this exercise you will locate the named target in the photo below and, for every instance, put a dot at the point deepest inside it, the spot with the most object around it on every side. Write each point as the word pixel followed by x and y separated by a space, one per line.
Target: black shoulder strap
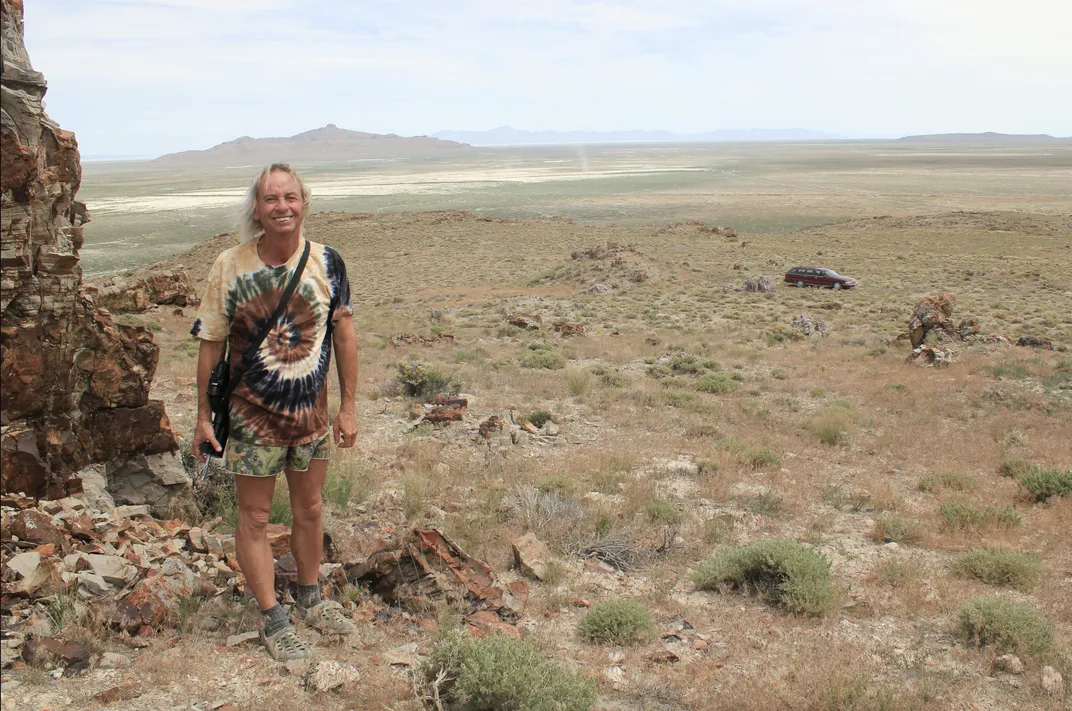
pixel 255 344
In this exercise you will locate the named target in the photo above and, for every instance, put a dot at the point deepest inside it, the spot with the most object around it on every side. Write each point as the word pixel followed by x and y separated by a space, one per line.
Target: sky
pixel 147 77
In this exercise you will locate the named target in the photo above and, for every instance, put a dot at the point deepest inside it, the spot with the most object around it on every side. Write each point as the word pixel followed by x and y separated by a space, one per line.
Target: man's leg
pixel 306 471
pixel 255 471
pixel 251 539
pixel 307 533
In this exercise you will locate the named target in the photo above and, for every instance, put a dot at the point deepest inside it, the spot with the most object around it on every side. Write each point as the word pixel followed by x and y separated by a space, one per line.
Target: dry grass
pixel 833 441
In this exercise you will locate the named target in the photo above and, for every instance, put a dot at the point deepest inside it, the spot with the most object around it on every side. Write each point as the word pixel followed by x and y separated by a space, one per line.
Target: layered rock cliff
pixel 75 384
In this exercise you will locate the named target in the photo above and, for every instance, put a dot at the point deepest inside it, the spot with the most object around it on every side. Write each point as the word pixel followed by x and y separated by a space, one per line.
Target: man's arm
pixel 207 358
pixel 345 341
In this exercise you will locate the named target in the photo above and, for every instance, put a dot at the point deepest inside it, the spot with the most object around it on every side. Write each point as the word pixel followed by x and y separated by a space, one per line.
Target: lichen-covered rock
pixel 74 384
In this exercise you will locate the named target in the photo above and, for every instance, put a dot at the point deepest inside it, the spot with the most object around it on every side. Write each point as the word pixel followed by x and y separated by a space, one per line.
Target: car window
pixel 831 272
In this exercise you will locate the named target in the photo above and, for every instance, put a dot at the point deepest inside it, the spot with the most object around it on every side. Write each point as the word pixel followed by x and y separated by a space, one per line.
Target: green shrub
pixel 783 571
pixel 424 381
pixel 662 511
pixel 1007 625
pixel 541 358
pixel 538 418
pixel 769 503
pixel 895 529
pixel 1003 515
pixel 616 622
pixel 1011 568
pixel 958 515
pixel 500 672
pixel 842 499
pixel 1044 484
pixel 759 458
pixel 1014 468
pixel 685 364
pixel 347 480
pixel 716 383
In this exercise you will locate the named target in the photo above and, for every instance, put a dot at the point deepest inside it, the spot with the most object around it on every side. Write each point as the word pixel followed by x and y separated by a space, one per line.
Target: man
pixel 278 412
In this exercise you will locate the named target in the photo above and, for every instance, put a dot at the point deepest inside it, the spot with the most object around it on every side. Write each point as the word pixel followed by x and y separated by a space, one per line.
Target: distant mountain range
pixel 327 144
pixel 332 144
pixel 987 137
pixel 509 136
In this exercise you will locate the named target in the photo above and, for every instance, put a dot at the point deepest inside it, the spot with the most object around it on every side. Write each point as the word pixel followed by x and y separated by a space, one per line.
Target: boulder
pixel 1010 664
pixel 1053 683
pixel 329 675
pixel 531 555
pixel 158 481
pixel 934 313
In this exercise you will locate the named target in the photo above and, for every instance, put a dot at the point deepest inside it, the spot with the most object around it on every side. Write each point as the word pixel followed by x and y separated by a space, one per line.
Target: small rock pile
pixel 760 285
pixel 809 326
pixel 415 339
pixel 504 430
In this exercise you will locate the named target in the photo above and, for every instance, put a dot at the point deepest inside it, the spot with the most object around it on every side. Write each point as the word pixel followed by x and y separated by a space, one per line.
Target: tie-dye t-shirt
pixel 282 401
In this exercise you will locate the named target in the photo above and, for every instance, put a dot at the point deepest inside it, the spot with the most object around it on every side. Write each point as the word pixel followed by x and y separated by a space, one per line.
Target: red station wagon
pixel 818 276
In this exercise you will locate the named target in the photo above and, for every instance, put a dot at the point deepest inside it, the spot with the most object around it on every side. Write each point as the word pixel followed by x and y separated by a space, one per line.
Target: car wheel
pixel 800 284
pixel 837 286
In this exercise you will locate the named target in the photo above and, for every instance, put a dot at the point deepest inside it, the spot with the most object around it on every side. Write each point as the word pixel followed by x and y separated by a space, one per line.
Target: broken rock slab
pixel 157 480
pixel 95 488
pixel 427 570
pixel 52 652
pixel 531 556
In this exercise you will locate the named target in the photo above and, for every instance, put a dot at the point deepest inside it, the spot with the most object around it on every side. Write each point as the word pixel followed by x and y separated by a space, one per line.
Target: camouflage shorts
pixel 248 459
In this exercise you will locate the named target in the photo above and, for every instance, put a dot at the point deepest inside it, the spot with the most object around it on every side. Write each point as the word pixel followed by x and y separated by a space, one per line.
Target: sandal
pixel 285 645
pixel 327 617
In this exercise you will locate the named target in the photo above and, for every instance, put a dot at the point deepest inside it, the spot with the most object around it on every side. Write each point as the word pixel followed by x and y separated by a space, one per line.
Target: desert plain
pixel 597 294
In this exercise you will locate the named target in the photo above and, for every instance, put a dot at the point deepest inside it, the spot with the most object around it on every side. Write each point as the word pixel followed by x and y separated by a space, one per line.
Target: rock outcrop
pixel 75 384
pixel 120 294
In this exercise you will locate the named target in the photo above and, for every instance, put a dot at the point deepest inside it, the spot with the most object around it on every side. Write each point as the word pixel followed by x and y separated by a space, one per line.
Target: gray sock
pixel 309 595
pixel 275 619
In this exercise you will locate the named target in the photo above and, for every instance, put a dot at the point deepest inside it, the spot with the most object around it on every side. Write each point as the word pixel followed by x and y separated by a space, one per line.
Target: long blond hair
pixel 248 226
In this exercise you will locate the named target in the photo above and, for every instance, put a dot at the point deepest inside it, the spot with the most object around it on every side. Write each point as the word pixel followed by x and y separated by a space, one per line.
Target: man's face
pixel 279 205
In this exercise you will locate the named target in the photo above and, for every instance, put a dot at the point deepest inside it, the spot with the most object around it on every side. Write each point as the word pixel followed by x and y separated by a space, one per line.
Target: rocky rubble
pixel 75 384
pixel 138 571
pixel 146 566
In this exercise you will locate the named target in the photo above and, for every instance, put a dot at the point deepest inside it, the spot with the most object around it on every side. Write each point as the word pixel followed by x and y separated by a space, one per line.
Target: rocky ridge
pixel 75 383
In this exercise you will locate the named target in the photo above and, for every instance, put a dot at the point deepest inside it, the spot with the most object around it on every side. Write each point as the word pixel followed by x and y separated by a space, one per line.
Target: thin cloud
pixel 151 76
